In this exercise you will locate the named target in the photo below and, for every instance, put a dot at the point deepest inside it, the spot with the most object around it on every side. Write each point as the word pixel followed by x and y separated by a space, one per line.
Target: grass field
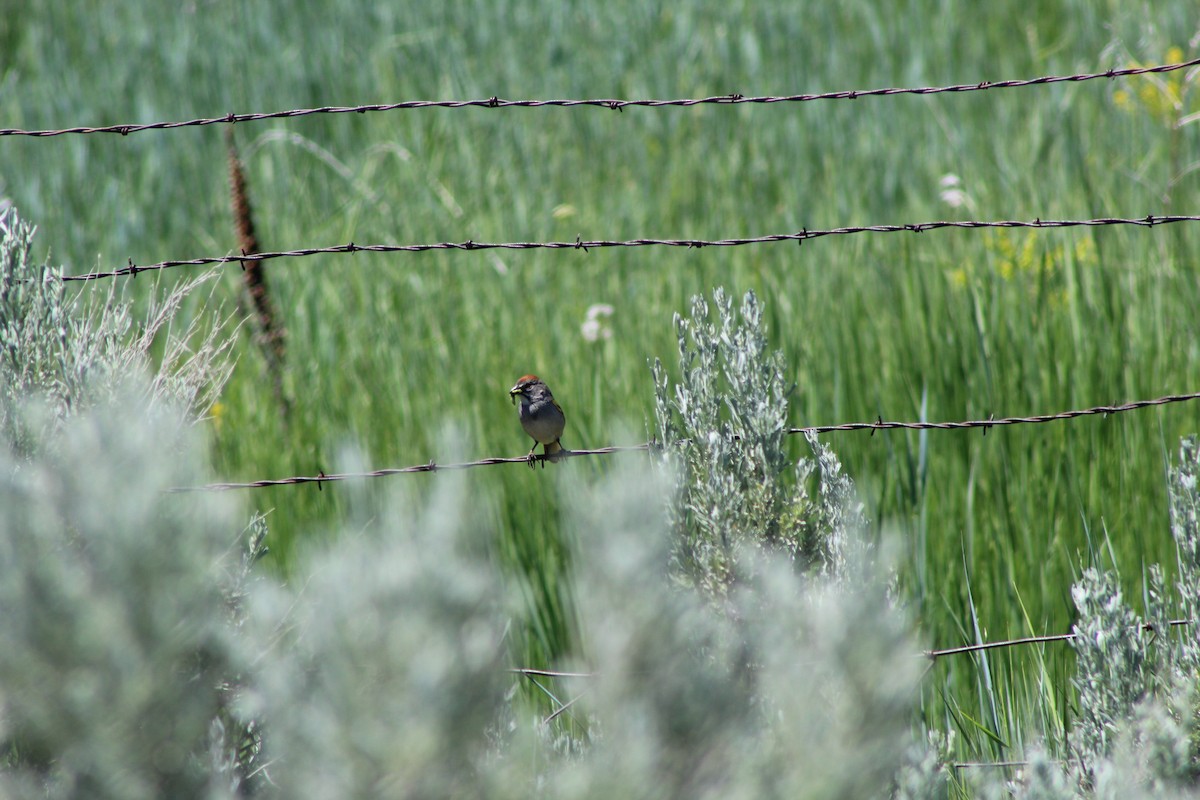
pixel 393 352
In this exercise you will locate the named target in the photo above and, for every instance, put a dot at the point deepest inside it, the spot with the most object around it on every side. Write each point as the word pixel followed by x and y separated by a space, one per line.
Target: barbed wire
pixel 533 459
pixel 430 466
pixel 934 655
pixel 611 104
pixel 880 425
pixel 800 237
pixel 533 674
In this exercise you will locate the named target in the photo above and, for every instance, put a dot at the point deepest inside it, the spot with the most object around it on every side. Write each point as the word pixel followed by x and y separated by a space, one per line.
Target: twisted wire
pixel 533 459
pixel 125 129
pixel 800 237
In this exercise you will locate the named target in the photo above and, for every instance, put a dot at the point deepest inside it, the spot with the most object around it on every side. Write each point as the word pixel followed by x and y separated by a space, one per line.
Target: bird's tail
pixel 553 448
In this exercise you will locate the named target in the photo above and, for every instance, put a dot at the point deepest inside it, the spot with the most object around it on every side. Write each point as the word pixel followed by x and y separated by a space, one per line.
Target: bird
pixel 541 416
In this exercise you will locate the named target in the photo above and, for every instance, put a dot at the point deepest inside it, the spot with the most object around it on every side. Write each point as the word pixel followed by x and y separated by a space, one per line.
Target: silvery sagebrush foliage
pixel 1155 754
pixel 799 686
pixel 925 773
pixel 72 351
pixel 384 673
pixel 1184 502
pixel 112 595
pixel 1112 667
pixel 723 427
pixel 235 738
pixel 1137 733
pixel 1138 726
pixel 384 664
pixel 115 652
pixel 1041 778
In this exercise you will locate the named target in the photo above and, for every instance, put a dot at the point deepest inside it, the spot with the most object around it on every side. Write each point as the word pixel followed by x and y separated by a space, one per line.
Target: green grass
pixel 386 351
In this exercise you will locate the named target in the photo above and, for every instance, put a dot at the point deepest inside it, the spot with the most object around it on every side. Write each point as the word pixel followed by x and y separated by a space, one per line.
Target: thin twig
pixel 563 708
pixel 546 673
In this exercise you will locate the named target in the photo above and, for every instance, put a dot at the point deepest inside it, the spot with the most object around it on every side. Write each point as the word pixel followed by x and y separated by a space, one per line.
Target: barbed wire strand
pixel 934 655
pixel 433 466
pixel 611 104
pixel 579 244
pixel 880 425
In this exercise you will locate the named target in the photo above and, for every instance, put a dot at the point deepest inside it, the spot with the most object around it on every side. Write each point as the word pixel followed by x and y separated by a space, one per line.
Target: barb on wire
pixel 800 237
pixel 648 446
pixel 611 104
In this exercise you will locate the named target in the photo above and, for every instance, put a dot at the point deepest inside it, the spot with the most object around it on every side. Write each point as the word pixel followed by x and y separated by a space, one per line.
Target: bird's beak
pixel 513 392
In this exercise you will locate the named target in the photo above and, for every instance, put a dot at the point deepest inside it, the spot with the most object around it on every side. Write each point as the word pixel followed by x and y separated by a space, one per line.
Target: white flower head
pixel 595 324
pixel 952 193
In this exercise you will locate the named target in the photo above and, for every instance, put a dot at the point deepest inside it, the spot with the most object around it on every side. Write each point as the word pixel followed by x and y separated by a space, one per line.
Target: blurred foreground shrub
pixel 141 657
